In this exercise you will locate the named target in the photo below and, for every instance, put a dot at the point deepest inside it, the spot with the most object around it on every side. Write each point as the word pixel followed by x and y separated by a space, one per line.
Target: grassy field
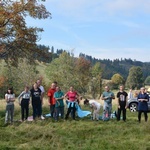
pixel 83 134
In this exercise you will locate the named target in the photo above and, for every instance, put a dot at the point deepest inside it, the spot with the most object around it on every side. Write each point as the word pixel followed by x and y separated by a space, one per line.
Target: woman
pixel 36 101
pixel 59 106
pixel 10 98
pixel 95 106
pixel 71 98
pixel 24 100
pixel 143 98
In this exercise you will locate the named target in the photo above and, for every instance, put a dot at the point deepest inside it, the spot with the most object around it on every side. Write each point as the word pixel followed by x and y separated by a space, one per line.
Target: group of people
pixel 56 103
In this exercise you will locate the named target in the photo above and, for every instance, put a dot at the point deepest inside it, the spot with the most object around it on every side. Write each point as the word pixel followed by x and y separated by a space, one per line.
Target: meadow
pixel 83 134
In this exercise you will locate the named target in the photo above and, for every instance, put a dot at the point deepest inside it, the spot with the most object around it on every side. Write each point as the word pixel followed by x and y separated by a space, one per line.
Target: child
pixel 24 103
pixel 95 108
pixel 10 98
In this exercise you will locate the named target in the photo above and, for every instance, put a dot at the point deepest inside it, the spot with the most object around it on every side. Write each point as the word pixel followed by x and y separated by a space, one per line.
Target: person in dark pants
pixel 59 106
pixel 51 100
pixel 36 101
pixel 143 98
pixel 122 103
pixel 71 98
pixel 24 103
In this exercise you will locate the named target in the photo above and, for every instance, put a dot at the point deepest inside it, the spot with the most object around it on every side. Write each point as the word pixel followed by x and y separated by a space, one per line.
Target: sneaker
pixel 42 118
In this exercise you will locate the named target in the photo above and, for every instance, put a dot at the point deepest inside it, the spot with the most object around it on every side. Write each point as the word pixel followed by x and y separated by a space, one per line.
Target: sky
pixel 104 29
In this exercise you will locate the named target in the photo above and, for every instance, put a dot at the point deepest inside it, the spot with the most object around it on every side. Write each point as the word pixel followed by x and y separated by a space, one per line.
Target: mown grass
pixel 82 134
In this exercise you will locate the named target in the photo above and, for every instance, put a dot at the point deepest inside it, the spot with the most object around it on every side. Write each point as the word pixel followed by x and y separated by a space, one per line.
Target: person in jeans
pixel 142 98
pixel 72 96
pixel 59 106
pixel 107 96
pixel 122 103
pixel 24 100
pixel 36 101
pixel 10 98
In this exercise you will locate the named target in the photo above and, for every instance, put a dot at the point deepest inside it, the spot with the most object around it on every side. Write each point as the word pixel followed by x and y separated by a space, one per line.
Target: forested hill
pixel 121 66
pixel 110 67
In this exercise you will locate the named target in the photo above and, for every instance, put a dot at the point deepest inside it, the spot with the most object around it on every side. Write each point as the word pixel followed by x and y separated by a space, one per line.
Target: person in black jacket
pixel 122 103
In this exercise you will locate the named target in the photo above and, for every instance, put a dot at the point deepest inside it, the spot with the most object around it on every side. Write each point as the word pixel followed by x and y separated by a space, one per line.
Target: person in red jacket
pixel 51 99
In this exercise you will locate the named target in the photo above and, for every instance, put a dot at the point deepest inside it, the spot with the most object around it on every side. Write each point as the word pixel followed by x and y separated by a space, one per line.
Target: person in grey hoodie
pixel 24 101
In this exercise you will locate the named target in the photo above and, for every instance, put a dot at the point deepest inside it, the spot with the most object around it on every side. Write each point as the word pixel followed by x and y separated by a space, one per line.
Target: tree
pixel 135 78
pixel 62 70
pixel 96 80
pixel 82 73
pixel 16 38
pixel 24 74
pixel 117 79
pixel 147 80
pixel 69 71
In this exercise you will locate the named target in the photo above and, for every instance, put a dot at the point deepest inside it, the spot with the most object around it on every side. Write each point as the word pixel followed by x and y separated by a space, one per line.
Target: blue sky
pixel 100 28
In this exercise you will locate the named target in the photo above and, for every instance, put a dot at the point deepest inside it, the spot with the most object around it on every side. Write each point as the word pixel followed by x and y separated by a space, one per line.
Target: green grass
pixel 83 134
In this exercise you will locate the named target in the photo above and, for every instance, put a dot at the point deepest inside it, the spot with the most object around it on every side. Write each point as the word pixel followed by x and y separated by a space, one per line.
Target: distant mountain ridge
pixel 122 66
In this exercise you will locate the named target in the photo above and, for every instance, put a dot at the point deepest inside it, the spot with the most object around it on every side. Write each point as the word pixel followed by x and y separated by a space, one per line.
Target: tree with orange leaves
pixel 17 40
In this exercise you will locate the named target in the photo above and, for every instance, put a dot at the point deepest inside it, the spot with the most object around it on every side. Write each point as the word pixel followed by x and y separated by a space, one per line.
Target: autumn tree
pixel 117 79
pixel 135 78
pixel 17 40
pixel 69 71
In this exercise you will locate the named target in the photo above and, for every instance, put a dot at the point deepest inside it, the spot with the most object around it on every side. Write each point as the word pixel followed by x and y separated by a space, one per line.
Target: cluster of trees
pixel 18 48
pixel 77 72
pixel 121 66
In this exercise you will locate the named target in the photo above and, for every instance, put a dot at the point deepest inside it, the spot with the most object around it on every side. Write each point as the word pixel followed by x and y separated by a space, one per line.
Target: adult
pixel 10 98
pixel 130 94
pixel 51 99
pixel 24 100
pixel 107 96
pixel 95 106
pixel 143 98
pixel 42 94
pixel 59 106
pixel 72 96
pixel 36 100
pixel 122 103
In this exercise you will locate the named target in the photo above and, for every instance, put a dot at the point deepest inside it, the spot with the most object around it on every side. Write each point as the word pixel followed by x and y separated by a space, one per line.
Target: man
pixel 42 95
pixel 122 103
pixel 51 100
pixel 107 96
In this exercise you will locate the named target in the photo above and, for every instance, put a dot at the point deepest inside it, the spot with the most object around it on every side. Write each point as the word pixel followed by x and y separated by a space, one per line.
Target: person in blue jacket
pixel 143 98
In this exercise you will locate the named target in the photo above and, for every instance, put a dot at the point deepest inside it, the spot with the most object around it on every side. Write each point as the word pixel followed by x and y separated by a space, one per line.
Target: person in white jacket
pixel 95 108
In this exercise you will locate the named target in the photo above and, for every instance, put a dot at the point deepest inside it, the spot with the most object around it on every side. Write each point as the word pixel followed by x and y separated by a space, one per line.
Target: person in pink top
pixel 72 96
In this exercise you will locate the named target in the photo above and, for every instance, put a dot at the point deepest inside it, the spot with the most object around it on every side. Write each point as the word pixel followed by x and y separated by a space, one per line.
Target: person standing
pixel 36 101
pixel 122 103
pixel 42 95
pixel 72 96
pixel 51 99
pixel 10 98
pixel 24 101
pixel 107 96
pixel 142 98
pixel 59 106
pixel 130 94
